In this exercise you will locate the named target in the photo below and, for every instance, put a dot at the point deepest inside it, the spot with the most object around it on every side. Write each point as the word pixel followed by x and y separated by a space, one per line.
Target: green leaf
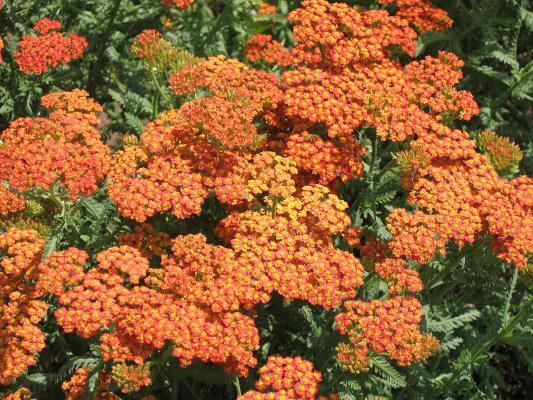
pixel 450 324
pixel 50 246
pixel 388 372
pixel 92 386
pixel 39 383
pixel 134 122
pixel 449 345
pixel 74 364
pixel 508 297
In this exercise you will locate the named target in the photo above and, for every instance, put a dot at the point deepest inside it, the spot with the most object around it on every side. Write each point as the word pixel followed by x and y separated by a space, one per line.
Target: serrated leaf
pixel 38 383
pixel 519 340
pixel 451 324
pixel 351 387
pixel 134 122
pixel 50 246
pixel 508 297
pixel 76 363
pixel 388 372
pixel 449 345
pixel 92 386
pixel 94 207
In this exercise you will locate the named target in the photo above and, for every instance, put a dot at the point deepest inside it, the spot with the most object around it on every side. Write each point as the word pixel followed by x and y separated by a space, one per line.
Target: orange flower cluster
pixel 75 101
pixel 459 195
pixel 231 80
pixel 200 146
pixel 288 248
pixel 182 4
pixel 10 202
pixel 503 154
pixel 348 77
pixel 146 239
pixel 267 9
pixel 328 160
pixel 48 49
pixel 22 393
pixel 74 388
pixel 64 148
pixel 384 326
pixel 353 235
pixel 47 25
pixel 146 44
pixel 1 47
pixel 422 14
pixel 130 378
pixel 285 378
pixel 435 79
pixel 261 47
pixel 145 318
pixel 159 54
pixel 398 277
pixel 164 184
pixel 208 275
pixel 20 309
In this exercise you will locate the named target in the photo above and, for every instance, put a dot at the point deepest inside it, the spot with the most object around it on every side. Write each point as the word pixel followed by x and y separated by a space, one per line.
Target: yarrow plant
pixel 298 224
pixel 49 48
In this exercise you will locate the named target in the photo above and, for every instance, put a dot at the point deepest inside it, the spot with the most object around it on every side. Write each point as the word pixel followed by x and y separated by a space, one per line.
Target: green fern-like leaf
pixel 91 388
pixel 505 311
pixel 451 324
pixel 384 369
pixel 134 122
pixel 74 364
pixel 449 345
pixel 38 383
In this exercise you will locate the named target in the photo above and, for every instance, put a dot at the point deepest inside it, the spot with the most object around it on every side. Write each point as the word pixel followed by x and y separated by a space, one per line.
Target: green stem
pixel 155 106
pixel 372 277
pixel 390 165
pixel 158 87
pixel 374 179
pixel 445 271
pixel 274 207
pixel 373 159
pixel 237 384
pixel 464 252
pixel 54 197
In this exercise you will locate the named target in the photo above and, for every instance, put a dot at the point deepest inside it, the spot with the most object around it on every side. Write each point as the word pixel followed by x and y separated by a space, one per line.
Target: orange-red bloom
pixel 20 307
pixel 65 147
pixel 267 9
pixel 47 50
pixel 285 378
pixel 177 3
pixel 422 14
pixel 1 47
pixel 261 47
pixel 389 326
